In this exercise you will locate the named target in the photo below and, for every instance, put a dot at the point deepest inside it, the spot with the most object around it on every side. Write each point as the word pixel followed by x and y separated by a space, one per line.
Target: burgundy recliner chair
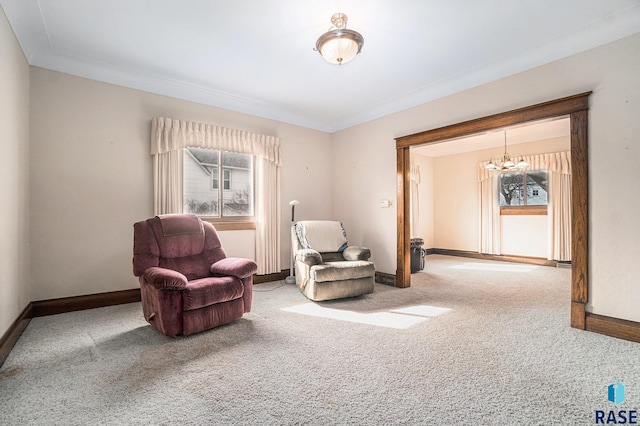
pixel 187 282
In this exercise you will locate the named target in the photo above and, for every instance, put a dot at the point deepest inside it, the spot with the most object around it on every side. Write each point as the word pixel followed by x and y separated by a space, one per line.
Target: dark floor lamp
pixel 291 279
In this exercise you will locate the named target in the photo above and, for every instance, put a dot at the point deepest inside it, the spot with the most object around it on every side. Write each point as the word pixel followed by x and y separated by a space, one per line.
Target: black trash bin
pixel 417 254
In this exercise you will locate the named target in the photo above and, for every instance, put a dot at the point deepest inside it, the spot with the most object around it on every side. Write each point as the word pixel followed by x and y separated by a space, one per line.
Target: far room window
pixel 523 192
pixel 203 170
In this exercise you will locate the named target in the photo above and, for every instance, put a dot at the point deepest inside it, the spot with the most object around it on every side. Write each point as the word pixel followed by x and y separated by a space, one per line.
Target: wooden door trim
pixel 576 107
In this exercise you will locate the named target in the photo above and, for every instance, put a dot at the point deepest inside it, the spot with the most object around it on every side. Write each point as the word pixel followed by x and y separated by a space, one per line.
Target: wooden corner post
pixel 403 270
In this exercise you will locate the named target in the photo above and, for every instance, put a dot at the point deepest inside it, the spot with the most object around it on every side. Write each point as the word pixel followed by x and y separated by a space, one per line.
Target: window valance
pixel 171 135
pixel 558 162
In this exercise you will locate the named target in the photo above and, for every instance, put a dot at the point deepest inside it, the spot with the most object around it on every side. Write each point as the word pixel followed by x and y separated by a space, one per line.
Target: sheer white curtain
pixel 558 167
pixel 267 211
pixel 167 182
pixel 415 199
pixel 560 206
pixel 489 211
pixel 169 137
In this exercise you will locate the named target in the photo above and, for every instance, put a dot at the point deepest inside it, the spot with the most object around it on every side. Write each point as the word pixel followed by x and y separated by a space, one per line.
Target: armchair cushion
pixel 234 266
pixel 345 270
pixel 356 253
pixel 175 225
pixel 165 279
pixel 178 235
pixel 208 291
pixel 309 257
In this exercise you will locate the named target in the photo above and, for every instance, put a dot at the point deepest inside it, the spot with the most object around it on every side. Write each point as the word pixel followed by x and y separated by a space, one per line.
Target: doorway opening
pixel 576 108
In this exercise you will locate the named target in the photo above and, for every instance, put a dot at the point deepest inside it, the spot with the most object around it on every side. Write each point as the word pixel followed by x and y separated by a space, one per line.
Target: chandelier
pixel 508 162
pixel 339 45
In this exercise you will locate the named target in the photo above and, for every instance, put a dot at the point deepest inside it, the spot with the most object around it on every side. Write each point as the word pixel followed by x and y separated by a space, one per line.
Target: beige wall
pixel 525 235
pixel 365 166
pixel 14 176
pixel 91 179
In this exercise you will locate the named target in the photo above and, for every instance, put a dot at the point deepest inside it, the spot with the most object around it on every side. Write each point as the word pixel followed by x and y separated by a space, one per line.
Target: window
pixel 524 192
pixel 227 179
pixel 215 178
pixel 203 169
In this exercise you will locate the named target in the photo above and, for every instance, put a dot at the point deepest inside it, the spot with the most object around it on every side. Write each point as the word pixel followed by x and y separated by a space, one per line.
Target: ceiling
pixel 257 57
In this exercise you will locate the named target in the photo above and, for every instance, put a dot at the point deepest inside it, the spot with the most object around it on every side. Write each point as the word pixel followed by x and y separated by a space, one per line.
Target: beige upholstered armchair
pixel 326 267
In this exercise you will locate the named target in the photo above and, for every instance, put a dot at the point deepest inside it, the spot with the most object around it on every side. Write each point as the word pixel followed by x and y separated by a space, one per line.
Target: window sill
pixel 231 226
pixel 523 211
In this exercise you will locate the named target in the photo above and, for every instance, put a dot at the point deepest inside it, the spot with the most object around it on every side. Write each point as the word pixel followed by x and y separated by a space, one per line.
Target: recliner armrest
pixel 165 279
pixel 235 267
pixel 309 257
pixel 356 253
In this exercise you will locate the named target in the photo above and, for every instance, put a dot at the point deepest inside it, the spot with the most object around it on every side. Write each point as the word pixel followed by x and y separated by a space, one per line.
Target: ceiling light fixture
pixel 339 45
pixel 508 162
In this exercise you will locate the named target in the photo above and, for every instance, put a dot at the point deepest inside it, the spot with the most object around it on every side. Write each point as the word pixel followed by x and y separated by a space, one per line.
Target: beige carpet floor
pixel 470 343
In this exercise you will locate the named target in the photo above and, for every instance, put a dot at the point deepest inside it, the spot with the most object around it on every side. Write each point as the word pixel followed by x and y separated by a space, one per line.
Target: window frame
pixel 229 223
pixel 525 209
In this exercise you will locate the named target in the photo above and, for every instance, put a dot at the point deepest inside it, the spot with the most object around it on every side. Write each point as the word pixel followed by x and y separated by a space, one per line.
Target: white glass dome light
pixel 339 45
